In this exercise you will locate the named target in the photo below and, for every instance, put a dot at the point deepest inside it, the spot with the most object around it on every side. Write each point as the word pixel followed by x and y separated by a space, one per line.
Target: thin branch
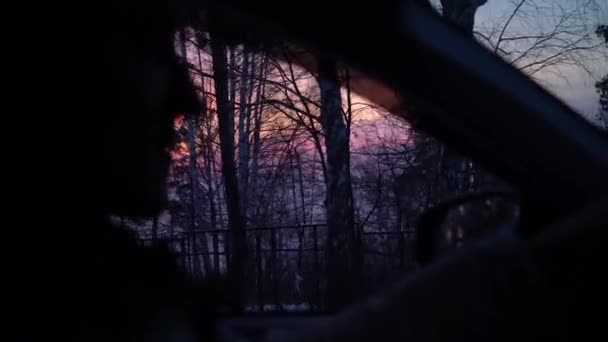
pixel 504 28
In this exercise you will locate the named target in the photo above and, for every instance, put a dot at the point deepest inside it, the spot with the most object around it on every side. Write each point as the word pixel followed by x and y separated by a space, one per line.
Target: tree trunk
pixel 256 143
pixel 225 112
pixel 231 75
pixel 195 196
pixel 209 169
pixel 341 281
pixel 461 13
pixel 244 132
pixel 301 186
pixel 292 182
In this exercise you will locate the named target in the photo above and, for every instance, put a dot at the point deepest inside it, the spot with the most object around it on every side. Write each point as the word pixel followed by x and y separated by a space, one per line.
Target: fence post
pixel 317 272
pixel 216 253
pixel 182 247
pixel 194 256
pixel 227 247
pixel 402 249
pixel 358 262
pixel 260 273
pixel 300 248
pixel 274 270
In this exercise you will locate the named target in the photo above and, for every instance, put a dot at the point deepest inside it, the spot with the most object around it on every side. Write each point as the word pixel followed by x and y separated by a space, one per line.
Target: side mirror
pixel 454 222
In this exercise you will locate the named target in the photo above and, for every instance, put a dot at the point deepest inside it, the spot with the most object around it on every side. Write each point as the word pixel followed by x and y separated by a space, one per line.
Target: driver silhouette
pixel 93 89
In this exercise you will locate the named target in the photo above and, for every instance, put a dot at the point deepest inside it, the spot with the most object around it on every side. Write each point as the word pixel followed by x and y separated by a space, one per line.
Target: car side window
pixel 327 184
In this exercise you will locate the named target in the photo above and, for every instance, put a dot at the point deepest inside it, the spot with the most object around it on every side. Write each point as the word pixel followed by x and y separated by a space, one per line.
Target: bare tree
pixel 199 242
pixel 256 116
pixel 546 35
pixel 225 111
pixel 341 245
pixel 243 126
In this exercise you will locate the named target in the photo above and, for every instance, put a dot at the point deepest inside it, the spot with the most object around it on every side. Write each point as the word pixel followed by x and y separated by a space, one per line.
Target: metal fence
pixel 285 267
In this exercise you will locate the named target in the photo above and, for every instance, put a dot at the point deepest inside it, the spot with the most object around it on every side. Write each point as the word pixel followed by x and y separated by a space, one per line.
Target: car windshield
pixel 560 44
